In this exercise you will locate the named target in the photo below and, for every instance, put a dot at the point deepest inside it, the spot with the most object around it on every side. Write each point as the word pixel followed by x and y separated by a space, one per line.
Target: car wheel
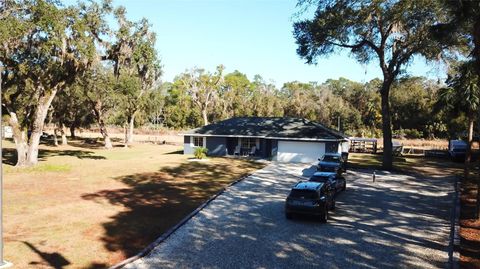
pixel 332 207
pixel 324 216
pixel 288 215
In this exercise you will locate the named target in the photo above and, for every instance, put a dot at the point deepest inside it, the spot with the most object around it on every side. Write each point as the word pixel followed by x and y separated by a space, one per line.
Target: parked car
pixel 311 198
pixel 332 162
pixel 457 149
pixel 45 135
pixel 338 181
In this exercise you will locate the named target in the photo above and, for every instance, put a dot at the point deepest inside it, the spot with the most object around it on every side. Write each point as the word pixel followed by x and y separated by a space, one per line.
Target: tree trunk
pixel 37 126
pixel 125 132
pixel 131 126
pixel 32 152
pixel 97 109
pixel 20 140
pixel 106 137
pixel 55 133
pixel 72 131
pixel 476 56
pixel 205 116
pixel 387 162
pixel 64 135
pixel 468 153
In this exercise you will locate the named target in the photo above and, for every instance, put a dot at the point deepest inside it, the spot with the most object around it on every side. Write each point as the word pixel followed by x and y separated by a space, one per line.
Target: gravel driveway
pixel 397 222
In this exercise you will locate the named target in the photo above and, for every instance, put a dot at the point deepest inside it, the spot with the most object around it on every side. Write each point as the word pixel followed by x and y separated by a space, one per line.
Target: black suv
pixel 332 162
pixel 311 198
pixel 335 179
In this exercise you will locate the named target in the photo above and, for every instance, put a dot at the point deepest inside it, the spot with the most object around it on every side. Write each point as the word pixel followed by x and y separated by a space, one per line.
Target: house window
pixel 248 143
pixel 198 141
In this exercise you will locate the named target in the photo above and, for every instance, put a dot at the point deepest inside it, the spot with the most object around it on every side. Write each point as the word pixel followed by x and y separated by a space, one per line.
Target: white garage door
pixel 299 152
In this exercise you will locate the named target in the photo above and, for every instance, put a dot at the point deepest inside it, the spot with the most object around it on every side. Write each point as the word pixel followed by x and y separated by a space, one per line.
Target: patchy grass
pixel 428 166
pixel 85 207
pixel 43 167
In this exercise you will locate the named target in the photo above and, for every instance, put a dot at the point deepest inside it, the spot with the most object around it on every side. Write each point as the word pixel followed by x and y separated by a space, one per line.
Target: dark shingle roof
pixel 293 128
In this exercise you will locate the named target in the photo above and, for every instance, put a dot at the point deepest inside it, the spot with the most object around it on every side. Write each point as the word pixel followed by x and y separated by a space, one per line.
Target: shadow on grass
pixel 157 201
pixel 174 152
pixel 9 155
pixel 55 259
pixel 93 143
pixel 97 265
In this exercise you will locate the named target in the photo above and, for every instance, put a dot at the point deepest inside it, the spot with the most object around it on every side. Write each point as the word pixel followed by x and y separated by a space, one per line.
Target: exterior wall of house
pixel 217 146
pixel 187 145
pixel 345 146
pixel 274 150
pixel 332 147
pixel 262 150
pixel 266 148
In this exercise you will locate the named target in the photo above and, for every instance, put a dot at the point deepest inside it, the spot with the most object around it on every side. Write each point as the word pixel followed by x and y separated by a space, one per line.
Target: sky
pixel 251 36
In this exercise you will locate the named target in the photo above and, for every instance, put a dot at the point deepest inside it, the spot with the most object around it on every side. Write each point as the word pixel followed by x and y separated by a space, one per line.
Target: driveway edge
pixel 454 244
pixel 167 234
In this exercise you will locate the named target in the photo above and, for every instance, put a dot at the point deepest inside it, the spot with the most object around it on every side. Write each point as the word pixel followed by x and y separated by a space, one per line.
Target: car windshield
pixel 304 194
pixel 319 178
pixel 329 158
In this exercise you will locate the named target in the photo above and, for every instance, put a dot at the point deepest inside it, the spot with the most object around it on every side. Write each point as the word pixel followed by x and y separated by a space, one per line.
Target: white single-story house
pixel 281 139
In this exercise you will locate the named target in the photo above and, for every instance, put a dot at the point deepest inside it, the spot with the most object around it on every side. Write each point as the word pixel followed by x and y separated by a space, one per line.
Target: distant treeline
pixel 416 113
pixel 416 108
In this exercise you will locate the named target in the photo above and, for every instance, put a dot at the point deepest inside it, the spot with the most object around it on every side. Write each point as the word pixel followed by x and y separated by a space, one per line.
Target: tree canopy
pixel 390 32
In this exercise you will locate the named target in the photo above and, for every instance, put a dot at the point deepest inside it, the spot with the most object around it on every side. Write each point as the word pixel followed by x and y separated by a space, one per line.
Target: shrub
pixel 400 134
pixel 413 133
pixel 200 153
pixel 407 133
pixel 367 132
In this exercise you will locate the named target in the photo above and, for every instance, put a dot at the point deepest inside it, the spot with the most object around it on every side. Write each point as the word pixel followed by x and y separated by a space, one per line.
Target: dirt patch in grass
pixel 85 207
